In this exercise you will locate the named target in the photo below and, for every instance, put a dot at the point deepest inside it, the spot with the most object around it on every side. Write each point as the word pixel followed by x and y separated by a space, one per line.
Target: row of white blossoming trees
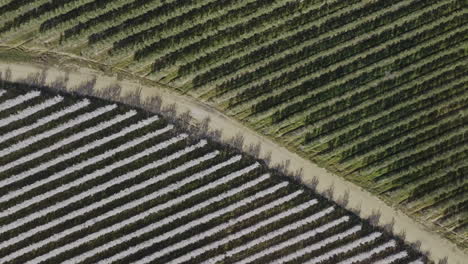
pixel 88 181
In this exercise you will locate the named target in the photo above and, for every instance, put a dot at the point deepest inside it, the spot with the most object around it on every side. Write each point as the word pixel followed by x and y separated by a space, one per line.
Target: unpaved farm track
pixel 438 246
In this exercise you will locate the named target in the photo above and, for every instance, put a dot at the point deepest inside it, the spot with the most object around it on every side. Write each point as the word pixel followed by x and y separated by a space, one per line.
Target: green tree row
pixel 353 66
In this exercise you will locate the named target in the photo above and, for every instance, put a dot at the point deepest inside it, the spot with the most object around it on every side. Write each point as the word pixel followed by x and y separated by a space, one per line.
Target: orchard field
pixel 375 91
pixel 117 184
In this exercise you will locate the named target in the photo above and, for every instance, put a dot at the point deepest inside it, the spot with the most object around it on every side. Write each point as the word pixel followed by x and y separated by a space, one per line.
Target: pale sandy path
pixel 439 247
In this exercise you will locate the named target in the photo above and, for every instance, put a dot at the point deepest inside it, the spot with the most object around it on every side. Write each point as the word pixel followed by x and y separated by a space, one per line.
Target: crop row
pixel 159 196
pixel 403 112
pixel 427 169
pixel 138 201
pixel 429 117
pixel 342 70
pixel 286 24
pixel 305 55
pixel 97 189
pixel 367 127
pixel 18 100
pixel 75 153
pixel 148 19
pixel 17 7
pixel 201 12
pixel 437 131
pixel 262 18
pixel 58 129
pixel 44 121
pixel 391 101
pixel 66 141
pixel 98 173
pixel 453 141
pixel 429 186
pixel 174 40
pixel 220 182
pixel 362 79
pixel 281 44
pixel 40 11
pixel 321 46
pixel 100 204
pixel 102 187
pixel 74 13
pixel 102 21
pixel 253 228
pixel 30 111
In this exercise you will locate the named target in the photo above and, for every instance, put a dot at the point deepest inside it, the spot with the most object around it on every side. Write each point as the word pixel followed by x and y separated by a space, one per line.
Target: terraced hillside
pixel 373 90
pixel 113 184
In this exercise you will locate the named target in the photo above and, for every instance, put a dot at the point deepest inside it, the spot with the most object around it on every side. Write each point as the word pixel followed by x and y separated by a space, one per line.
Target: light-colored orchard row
pixel 76 152
pixel 160 196
pixel 44 121
pixel 30 111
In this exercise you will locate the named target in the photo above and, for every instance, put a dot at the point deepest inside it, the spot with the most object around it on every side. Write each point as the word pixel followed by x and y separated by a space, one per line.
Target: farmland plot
pixel 125 185
pixel 375 91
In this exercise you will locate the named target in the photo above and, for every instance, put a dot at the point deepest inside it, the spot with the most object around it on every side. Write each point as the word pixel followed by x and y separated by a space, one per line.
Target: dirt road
pixel 438 246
